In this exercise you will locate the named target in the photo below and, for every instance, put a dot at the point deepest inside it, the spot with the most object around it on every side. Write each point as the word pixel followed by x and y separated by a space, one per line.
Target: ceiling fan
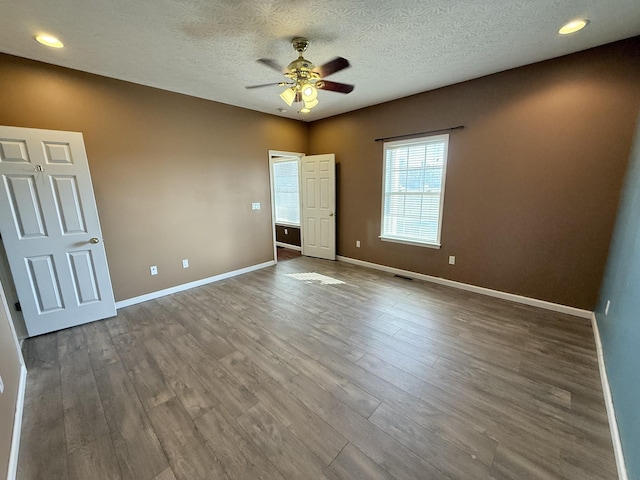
pixel 305 79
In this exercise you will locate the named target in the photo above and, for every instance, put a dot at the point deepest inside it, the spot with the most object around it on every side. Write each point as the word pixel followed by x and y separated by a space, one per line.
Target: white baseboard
pixel 608 400
pixel 187 286
pixel 289 246
pixel 17 425
pixel 556 307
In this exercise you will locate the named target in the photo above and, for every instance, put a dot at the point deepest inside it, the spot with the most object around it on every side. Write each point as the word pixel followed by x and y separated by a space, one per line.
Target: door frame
pixel 274 157
pixel 11 295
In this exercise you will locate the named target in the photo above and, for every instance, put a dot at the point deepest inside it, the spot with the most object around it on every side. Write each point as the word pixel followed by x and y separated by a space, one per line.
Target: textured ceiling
pixel 396 48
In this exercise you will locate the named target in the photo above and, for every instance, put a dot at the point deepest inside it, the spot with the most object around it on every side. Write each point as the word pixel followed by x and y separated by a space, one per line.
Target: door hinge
pixel 18 307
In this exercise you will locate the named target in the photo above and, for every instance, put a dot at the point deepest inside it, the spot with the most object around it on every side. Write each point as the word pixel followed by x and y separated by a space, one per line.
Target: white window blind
pixel 413 190
pixel 286 194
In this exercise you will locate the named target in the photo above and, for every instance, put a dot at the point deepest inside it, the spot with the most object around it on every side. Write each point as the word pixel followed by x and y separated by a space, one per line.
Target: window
pixel 413 190
pixel 286 195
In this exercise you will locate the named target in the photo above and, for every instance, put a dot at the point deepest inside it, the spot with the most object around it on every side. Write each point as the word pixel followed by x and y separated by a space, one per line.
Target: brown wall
pixel 533 180
pixel 174 176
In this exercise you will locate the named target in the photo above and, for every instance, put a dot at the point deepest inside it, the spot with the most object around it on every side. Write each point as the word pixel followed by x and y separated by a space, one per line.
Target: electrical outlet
pixel 1 385
pixel 357 243
pixel 154 270
pixel 255 206
pixel 452 260
pixel 286 231
pixel 185 263
pixel 606 309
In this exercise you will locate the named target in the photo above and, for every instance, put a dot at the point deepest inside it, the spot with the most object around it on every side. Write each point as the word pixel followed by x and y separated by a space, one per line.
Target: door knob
pixel 94 240
pixel 331 214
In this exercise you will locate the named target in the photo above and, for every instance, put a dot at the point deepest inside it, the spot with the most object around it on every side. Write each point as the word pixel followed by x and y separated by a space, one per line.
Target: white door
pixel 319 206
pixel 50 229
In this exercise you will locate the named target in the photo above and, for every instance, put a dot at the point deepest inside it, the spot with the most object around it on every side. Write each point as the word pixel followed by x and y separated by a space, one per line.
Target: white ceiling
pixel 209 48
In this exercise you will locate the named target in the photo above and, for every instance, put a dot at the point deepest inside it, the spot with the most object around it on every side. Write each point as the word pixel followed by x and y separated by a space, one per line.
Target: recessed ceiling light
pixel 304 110
pixel 49 41
pixel 573 26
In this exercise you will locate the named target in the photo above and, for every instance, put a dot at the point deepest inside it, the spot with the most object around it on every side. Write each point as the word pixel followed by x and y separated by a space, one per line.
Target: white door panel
pixel 318 206
pixel 44 283
pixel 50 229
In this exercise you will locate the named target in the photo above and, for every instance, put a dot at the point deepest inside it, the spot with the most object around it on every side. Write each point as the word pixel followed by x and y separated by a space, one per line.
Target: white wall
pixel 11 367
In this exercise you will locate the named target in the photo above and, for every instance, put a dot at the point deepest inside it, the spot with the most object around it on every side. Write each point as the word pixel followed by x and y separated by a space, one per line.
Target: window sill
pixel 286 224
pixel 409 242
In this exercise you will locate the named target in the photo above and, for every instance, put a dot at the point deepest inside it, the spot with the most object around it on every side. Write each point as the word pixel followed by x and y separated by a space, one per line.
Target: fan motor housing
pixel 300 65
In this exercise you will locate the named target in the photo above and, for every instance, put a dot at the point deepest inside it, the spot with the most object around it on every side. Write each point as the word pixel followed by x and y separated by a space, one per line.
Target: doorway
pixel 284 170
pixel 303 203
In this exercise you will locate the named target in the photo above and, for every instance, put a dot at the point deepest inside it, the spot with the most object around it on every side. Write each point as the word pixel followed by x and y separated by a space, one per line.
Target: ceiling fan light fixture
pixel 311 104
pixel 304 79
pixel 573 26
pixel 309 92
pixel 288 96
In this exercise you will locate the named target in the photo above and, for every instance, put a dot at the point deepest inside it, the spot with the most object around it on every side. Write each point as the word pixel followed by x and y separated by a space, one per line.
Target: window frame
pixel 442 138
pixel 276 161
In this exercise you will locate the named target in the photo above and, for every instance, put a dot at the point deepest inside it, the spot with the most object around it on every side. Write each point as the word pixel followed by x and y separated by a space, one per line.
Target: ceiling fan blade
pixel 332 66
pixel 272 64
pixel 264 85
pixel 337 87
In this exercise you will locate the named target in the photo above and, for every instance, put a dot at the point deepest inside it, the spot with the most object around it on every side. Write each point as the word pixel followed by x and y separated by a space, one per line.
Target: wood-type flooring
pixel 265 376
